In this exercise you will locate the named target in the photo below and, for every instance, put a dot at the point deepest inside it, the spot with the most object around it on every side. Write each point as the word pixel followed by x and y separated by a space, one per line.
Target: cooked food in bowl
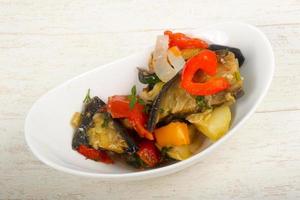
pixel 189 88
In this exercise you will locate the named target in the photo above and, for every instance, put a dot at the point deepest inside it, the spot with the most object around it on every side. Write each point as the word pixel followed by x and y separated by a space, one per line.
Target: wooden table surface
pixel 44 43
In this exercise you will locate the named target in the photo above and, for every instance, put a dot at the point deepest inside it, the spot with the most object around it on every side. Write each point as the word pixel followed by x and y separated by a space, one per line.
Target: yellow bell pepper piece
pixel 173 134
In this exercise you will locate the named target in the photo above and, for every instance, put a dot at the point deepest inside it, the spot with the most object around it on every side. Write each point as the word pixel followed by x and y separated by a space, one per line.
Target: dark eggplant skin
pixel 237 52
pixel 80 136
pixel 146 77
pixel 239 94
pixel 154 111
pixel 94 106
pixel 132 146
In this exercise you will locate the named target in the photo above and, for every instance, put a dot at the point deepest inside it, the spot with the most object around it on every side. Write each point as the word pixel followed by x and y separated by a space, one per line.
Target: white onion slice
pixel 161 66
pixel 175 58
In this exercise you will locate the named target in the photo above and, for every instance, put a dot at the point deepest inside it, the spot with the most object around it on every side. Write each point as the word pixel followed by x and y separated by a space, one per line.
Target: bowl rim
pixel 151 173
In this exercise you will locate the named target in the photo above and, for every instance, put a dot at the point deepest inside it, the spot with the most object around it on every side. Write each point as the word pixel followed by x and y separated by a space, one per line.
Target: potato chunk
pixel 212 123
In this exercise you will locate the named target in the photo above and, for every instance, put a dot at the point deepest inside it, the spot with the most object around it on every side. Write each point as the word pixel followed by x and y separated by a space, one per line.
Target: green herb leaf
pixel 132 101
pixel 141 101
pixel 161 110
pixel 105 121
pixel 135 161
pixel 147 78
pixel 133 91
pixel 237 76
pixel 87 98
pixel 132 97
pixel 164 152
pixel 152 79
pixel 201 101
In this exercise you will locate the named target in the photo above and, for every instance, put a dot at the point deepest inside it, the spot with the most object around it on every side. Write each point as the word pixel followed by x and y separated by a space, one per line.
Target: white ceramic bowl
pixel 47 127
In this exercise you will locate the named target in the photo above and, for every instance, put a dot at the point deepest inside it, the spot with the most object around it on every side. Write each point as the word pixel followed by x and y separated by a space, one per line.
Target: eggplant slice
pixel 80 137
pixel 171 100
pixel 100 131
pixel 107 133
pixel 237 52
pixel 227 67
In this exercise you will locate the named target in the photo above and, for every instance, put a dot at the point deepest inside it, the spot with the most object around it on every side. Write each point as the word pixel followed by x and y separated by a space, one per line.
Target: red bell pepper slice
pixel 184 42
pixel 93 154
pixel 119 107
pixel 149 153
pixel 206 61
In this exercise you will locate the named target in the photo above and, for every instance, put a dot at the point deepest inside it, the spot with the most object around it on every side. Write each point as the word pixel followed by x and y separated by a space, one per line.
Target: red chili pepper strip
pixel 93 154
pixel 119 107
pixel 184 42
pixel 206 61
pixel 149 153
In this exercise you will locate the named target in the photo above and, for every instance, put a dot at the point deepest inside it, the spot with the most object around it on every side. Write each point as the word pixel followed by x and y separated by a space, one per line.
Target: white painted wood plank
pixel 260 161
pixel 65 38
pixel 66 56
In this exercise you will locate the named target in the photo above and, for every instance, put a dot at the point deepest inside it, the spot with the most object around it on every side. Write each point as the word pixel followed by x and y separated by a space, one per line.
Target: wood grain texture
pixel 43 43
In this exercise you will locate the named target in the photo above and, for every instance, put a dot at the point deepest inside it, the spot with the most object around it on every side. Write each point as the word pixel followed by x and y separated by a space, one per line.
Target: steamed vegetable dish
pixel 189 86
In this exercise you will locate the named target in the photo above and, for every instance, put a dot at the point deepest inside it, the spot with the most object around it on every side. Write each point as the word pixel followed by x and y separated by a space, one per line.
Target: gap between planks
pixel 281 110
pixel 134 31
